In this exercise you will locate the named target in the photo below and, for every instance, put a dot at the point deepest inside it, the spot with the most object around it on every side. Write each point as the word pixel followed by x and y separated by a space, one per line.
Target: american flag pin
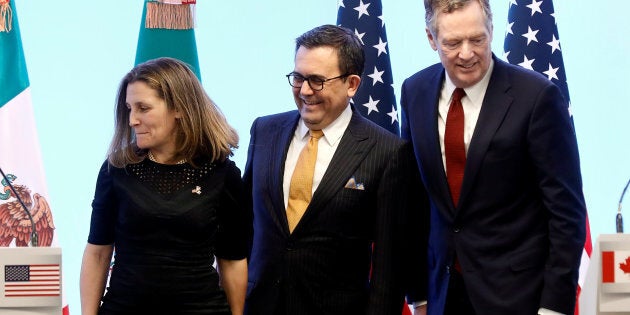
pixel 197 190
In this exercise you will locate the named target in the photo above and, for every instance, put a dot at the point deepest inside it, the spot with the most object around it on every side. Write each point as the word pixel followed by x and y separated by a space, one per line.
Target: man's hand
pixel 420 310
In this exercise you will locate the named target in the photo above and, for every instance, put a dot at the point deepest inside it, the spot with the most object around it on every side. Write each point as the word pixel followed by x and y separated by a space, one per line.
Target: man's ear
pixel 354 83
pixel 432 40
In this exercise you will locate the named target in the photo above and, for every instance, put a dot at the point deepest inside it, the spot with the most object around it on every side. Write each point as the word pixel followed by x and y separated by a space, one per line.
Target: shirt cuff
pixel 418 304
pixel 544 311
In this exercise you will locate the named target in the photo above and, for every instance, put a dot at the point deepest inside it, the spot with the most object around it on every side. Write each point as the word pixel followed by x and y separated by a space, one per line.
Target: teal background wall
pixel 77 52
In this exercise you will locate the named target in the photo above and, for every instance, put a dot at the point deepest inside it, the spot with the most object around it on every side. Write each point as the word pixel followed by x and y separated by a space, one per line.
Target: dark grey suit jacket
pixel 323 267
pixel 519 227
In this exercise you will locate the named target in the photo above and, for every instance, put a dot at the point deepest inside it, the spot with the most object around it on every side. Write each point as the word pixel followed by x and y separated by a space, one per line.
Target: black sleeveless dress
pixel 167 223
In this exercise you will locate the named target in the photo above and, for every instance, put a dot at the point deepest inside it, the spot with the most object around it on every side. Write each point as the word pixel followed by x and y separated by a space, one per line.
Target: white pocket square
pixel 352 184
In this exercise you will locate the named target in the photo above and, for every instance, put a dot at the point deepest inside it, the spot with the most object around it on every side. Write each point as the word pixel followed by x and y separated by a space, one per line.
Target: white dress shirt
pixel 326 148
pixel 471 104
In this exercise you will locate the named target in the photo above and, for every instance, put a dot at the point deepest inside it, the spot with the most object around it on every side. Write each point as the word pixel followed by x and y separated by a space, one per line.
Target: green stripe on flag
pixel 13 75
pixel 178 44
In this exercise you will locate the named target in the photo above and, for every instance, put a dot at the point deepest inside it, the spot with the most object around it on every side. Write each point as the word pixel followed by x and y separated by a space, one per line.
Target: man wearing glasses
pixel 330 193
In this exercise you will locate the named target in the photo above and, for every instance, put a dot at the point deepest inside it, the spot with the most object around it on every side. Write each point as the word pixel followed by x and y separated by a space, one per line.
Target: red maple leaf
pixel 625 266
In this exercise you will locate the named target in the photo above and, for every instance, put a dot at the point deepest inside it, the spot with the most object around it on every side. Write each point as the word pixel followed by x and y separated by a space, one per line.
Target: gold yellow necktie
pixel 301 187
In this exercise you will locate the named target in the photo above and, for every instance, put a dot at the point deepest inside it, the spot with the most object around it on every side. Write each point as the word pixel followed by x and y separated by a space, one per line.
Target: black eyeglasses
pixel 316 83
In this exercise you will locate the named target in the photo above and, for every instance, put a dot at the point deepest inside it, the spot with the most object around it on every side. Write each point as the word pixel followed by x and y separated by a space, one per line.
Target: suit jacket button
pixel 456 230
pixel 448 269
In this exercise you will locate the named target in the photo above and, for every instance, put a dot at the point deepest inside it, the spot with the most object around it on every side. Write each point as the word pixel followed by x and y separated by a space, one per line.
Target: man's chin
pixel 466 80
pixel 311 122
pixel 309 116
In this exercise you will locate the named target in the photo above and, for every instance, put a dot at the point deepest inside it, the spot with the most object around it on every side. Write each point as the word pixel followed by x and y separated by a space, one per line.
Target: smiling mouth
pixel 468 66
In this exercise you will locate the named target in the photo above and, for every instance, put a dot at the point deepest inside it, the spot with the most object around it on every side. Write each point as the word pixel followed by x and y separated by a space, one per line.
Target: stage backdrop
pixel 77 52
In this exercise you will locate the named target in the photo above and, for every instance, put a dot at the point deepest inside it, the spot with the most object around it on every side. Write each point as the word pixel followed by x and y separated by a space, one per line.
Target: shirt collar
pixel 332 132
pixel 476 92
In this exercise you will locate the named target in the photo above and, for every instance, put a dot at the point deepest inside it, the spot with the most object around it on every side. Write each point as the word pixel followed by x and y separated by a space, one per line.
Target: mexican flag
pixel 20 156
pixel 167 30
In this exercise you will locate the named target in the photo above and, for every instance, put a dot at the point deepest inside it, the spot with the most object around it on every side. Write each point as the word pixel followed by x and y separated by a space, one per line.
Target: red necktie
pixel 454 148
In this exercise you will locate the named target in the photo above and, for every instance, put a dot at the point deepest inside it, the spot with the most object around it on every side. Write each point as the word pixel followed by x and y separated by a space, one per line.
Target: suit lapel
pixel 429 140
pixel 353 147
pixel 280 139
pixel 493 110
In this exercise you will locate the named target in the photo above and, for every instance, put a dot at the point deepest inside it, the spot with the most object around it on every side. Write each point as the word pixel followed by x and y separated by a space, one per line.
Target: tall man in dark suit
pixel 320 259
pixel 502 172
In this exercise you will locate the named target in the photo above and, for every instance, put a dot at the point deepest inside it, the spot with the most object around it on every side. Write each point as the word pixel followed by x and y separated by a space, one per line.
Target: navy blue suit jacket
pixel 323 267
pixel 519 229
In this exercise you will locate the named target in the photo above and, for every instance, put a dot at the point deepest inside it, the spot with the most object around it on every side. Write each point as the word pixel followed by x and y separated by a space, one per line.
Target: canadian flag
pixel 616 266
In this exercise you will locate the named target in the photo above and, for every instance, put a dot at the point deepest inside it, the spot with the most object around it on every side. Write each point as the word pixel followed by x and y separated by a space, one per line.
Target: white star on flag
pixel 377 76
pixel 381 47
pixel 535 6
pixel 530 35
pixel 527 64
pixel 508 29
pixel 371 105
pixel 362 9
pixel 551 73
pixel 359 35
pixel 393 114
pixel 555 44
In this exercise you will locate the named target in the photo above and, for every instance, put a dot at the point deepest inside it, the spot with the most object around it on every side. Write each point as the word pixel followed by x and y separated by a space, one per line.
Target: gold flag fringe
pixel 6 16
pixel 170 16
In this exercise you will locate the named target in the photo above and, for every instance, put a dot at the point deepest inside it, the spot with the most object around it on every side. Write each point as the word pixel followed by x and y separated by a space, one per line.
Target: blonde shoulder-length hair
pixel 202 130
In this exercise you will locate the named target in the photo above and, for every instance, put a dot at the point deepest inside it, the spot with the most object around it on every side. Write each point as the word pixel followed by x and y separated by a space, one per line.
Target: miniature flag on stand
pixel 616 266
pixel 532 42
pixel 167 30
pixel 20 156
pixel 375 98
pixel 32 280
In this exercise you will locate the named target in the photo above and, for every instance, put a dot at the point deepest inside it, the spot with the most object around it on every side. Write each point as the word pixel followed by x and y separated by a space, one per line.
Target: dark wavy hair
pixel 347 44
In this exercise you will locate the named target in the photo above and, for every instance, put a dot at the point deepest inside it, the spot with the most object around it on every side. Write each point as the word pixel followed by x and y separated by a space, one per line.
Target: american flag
pixel 375 98
pixel 532 42
pixel 32 280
